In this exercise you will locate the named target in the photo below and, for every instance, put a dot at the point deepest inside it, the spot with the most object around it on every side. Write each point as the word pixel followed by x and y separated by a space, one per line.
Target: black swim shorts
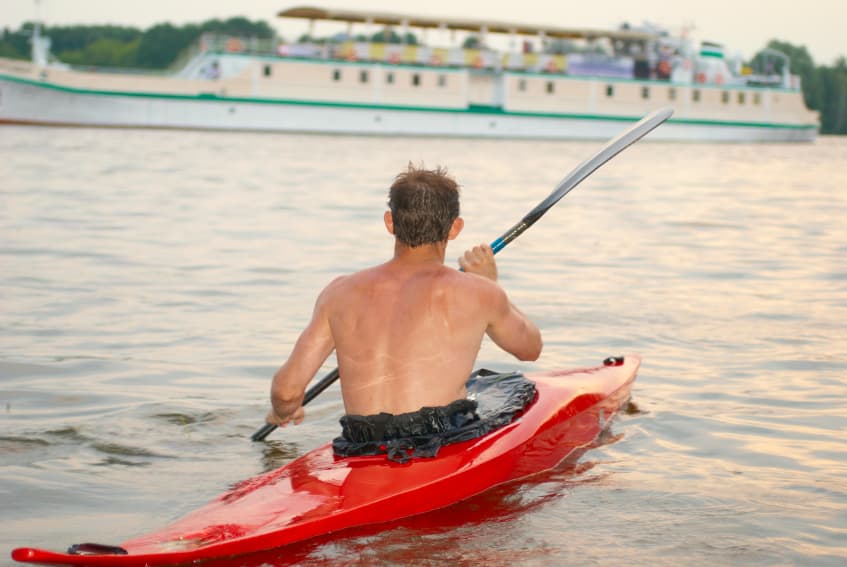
pixel 422 433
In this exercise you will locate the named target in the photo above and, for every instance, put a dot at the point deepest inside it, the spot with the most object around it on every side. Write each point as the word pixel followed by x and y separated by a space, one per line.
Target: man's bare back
pixel 406 333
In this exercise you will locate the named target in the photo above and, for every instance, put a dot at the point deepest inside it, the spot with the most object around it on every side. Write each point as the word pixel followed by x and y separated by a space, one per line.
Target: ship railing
pixel 576 64
pixel 217 43
pixel 424 55
pixel 480 58
pixel 785 81
pixel 191 58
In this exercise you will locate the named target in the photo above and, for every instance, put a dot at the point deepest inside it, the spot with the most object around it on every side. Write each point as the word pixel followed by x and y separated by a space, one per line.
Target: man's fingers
pixel 297 417
pixel 477 254
pixel 479 260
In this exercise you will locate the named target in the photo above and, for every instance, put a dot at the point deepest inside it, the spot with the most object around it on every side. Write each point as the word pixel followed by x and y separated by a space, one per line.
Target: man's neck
pixel 420 255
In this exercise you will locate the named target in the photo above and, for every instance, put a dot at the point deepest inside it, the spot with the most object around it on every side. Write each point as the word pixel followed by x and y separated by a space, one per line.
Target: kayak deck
pixel 320 493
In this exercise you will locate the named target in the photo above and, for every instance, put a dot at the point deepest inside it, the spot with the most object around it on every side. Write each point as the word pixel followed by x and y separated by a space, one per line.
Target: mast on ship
pixel 40 45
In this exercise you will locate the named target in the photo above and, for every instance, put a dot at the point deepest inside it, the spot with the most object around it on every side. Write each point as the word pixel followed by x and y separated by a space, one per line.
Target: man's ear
pixel 457 227
pixel 389 222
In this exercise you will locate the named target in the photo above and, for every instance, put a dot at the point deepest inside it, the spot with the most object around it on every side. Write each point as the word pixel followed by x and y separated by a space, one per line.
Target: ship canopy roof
pixel 470 25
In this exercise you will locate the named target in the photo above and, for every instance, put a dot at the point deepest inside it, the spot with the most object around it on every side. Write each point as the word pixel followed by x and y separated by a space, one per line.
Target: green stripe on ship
pixel 471 109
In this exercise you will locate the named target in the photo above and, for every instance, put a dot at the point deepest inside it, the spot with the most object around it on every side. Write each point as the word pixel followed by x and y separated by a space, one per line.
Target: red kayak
pixel 320 492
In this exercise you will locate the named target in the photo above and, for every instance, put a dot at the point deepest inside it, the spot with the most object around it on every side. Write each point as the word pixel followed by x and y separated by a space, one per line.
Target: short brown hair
pixel 424 203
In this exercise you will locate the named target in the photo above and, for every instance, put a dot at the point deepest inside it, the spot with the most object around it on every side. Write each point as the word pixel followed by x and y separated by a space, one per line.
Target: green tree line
pixel 118 46
pixel 158 47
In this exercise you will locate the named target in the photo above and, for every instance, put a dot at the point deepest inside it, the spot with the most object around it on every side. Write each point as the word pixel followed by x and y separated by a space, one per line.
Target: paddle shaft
pixel 571 180
pixel 612 148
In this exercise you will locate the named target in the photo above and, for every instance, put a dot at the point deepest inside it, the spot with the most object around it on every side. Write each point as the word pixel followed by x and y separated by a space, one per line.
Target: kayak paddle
pixel 611 149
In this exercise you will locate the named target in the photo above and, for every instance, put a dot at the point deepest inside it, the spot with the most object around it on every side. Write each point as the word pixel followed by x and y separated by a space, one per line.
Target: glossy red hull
pixel 320 493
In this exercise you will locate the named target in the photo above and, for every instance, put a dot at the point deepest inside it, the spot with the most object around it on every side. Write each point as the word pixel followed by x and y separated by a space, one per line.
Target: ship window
pixel 742 99
pixel 522 85
pixel 757 98
pixel 336 75
pixel 551 87
pixel 267 70
pixel 671 93
pixel 725 97
pixel 695 95
pixel 416 79
pixel 442 80
pixel 389 78
pixel 610 90
pixel 363 76
pixel 645 92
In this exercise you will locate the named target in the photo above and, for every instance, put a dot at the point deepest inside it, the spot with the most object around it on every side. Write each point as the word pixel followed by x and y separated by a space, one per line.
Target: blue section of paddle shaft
pixel 498 245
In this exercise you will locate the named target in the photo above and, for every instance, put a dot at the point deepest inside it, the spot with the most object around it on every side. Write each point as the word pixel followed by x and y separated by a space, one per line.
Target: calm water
pixel 151 282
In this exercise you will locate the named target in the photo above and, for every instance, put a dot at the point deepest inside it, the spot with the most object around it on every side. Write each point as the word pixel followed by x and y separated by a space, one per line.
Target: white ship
pixel 539 86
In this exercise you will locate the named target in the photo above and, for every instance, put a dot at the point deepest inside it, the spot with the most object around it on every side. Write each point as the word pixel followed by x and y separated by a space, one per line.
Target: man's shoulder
pixel 476 281
pixel 473 287
pixel 345 282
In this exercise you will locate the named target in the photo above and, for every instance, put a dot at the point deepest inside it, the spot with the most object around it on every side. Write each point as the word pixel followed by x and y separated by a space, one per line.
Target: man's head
pixel 424 206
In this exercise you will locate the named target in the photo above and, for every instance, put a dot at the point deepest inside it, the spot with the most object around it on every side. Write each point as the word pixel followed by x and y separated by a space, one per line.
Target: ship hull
pixel 26 101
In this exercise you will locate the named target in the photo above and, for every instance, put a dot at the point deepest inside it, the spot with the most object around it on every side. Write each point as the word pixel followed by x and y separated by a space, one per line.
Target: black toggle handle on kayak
pixel 613 361
pixel 96 549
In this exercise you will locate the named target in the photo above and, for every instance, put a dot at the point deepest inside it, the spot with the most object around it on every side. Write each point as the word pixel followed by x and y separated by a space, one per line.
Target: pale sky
pixel 743 26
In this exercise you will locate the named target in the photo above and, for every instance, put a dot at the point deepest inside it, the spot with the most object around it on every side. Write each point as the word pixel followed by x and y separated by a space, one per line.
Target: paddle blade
pixel 589 166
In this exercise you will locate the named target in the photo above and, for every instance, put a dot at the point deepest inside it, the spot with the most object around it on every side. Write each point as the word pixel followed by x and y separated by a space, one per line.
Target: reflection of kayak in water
pixel 320 493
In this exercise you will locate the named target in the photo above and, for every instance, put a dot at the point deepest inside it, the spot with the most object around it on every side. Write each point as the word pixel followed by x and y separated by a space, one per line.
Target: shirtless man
pixel 406 333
